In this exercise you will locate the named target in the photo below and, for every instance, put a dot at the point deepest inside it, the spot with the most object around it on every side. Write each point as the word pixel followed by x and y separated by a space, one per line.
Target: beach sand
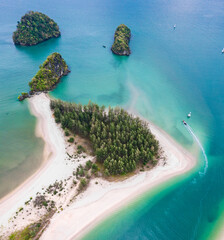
pixel 99 200
pixel 54 167
pixel 102 199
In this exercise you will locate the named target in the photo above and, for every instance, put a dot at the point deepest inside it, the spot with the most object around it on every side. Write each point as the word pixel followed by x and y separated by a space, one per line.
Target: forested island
pixel 49 74
pixel 121 40
pixel 34 28
pixel 120 141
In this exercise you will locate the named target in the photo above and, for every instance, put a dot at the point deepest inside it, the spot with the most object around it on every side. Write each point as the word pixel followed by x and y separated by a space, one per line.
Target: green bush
pixel 81 172
pixel 67 132
pixel 81 148
pixel 74 182
pixel 71 140
pixel 88 165
pixel 82 184
pixel 94 167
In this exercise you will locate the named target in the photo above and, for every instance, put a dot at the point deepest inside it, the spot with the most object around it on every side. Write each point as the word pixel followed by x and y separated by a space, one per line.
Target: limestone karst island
pixel 121 41
pixel 34 28
pixel 49 74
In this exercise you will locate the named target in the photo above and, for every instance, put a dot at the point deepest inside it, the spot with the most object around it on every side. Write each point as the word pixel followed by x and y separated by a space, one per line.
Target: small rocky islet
pixel 34 28
pixel 121 41
pixel 49 74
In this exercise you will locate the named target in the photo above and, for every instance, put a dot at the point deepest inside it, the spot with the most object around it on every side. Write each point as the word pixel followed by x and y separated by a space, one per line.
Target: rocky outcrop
pixel 49 73
pixel 34 28
pixel 23 96
pixel 121 40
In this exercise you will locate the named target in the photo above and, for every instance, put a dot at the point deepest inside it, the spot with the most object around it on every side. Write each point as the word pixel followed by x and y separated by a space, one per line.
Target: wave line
pixel 190 130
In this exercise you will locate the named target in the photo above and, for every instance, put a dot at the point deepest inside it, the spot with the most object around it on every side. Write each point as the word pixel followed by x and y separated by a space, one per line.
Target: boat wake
pixel 190 130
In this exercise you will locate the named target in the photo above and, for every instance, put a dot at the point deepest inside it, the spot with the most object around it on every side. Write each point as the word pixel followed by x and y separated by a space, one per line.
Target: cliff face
pixel 56 64
pixel 33 28
pixel 121 40
pixel 49 73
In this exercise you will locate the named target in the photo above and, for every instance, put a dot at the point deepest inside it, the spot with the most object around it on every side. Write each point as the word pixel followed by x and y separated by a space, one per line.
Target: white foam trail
pixel 201 147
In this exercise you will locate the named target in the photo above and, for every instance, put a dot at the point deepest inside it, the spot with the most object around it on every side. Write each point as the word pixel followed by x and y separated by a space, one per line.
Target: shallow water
pixel 169 73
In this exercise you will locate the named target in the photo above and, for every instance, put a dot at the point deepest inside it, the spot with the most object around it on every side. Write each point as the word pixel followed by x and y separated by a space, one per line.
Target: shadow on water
pixel 119 60
pixel 40 50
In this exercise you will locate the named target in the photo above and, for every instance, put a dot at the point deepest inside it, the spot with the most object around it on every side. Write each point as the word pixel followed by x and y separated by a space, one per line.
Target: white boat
pixel 174 26
pixel 223 50
pixel 189 115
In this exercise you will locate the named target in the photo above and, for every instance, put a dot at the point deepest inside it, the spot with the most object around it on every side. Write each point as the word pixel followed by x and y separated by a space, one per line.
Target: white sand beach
pixel 99 200
pixel 54 167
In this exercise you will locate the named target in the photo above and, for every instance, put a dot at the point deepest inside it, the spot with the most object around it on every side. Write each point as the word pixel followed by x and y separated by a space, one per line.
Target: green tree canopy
pixel 120 141
pixel 121 40
pixel 33 28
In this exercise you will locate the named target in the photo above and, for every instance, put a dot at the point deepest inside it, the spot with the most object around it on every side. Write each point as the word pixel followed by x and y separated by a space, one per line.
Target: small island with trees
pixel 120 141
pixel 121 40
pixel 49 74
pixel 34 28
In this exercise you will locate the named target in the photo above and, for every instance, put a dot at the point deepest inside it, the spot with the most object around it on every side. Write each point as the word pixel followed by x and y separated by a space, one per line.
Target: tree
pixel 120 141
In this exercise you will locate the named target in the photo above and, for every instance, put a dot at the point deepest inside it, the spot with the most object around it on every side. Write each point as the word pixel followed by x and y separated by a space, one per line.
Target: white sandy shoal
pixel 101 200
pixel 53 168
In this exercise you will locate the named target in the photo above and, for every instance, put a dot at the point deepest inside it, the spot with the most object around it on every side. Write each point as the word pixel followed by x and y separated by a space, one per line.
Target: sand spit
pixel 73 219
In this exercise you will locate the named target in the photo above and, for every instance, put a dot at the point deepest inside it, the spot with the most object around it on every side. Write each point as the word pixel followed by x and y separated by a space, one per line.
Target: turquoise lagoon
pixel 169 73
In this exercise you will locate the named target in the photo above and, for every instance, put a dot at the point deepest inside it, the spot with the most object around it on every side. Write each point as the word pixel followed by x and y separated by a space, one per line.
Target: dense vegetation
pixel 33 28
pixel 49 73
pixel 120 141
pixel 121 40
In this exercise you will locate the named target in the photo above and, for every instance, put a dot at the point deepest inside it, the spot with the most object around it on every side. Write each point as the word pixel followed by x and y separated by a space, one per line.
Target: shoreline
pixel 45 128
pixel 99 200
pixel 46 156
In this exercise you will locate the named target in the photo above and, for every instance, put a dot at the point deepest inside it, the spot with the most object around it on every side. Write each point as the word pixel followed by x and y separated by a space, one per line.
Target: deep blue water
pixel 169 73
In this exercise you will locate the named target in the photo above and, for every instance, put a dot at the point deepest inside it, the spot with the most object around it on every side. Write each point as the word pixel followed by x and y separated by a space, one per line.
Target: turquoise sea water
pixel 169 73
